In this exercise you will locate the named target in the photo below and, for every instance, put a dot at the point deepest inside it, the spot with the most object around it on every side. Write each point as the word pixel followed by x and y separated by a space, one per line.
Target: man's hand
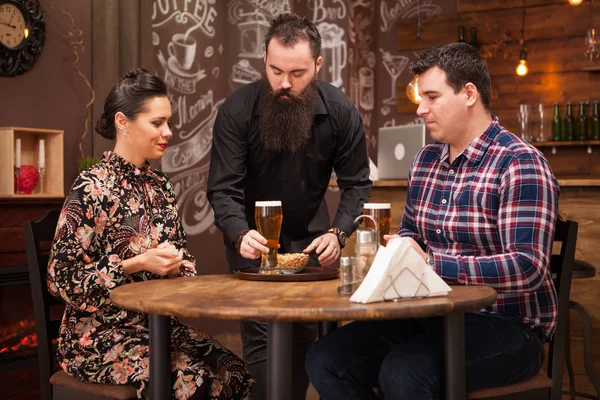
pixel 410 241
pixel 328 248
pixel 253 245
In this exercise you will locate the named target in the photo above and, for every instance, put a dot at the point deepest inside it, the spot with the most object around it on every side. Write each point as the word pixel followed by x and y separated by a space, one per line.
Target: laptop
pixel 397 147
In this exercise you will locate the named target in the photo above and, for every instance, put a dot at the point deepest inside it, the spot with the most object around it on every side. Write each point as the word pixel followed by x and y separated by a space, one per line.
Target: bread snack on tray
pixel 293 261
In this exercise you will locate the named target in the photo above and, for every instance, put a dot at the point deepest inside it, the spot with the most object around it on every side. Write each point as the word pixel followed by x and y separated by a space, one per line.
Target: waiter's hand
pixel 253 244
pixel 327 247
pixel 410 241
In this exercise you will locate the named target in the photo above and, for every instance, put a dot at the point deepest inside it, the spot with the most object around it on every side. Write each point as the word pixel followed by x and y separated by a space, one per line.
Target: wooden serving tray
pixel 307 274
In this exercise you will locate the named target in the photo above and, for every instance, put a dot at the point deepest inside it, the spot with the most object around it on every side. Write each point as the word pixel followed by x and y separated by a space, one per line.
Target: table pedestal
pixel 454 356
pixel 279 360
pixel 160 357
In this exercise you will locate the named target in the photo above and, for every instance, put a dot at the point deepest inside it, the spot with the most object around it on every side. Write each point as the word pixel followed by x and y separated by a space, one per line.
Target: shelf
pixel 30 149
pixel 578 181
pixel 591 68
pixel 566 143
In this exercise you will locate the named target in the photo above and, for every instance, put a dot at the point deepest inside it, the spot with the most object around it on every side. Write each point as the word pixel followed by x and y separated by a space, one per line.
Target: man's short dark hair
pixel 289 29
pixel 462 64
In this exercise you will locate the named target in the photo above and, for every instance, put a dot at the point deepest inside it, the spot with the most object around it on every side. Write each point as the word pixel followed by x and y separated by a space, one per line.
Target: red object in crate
pixel 28 179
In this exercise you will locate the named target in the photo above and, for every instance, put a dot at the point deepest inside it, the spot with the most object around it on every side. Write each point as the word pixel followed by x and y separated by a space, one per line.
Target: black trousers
pixel 254 344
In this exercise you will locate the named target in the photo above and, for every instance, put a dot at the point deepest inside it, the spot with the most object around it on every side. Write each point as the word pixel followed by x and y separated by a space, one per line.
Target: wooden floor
pixel 23 384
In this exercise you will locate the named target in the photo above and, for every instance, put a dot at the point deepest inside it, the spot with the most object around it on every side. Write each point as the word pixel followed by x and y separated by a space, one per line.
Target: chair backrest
pixel 561 266
pixel 46 323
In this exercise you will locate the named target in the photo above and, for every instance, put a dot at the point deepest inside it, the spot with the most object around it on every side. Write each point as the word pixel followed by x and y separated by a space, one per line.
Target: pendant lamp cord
pixel 418 19
pixel 523 28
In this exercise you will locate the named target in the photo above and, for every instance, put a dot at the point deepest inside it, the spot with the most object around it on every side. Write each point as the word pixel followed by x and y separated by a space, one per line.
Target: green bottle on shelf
pixel 595 123
pixel 569 127
pixel 582 128
pixel 557 124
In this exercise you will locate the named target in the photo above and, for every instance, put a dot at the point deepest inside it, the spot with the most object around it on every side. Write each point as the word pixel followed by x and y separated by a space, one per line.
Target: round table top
pixel 226 297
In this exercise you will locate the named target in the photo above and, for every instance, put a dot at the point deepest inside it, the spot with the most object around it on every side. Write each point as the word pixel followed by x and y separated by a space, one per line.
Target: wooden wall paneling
pixel 595 166
pixel 568 161
pixel 510 90
pixel 543 56
pixel 434 31
pixel 594 88
pixel 540 23
pixel 465 6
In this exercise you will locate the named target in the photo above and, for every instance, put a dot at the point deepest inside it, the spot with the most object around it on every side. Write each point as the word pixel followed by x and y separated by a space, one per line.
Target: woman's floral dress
pixel 116 211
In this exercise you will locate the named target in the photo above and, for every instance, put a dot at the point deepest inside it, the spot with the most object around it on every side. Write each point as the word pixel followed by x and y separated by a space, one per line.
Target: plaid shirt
pixel 488 218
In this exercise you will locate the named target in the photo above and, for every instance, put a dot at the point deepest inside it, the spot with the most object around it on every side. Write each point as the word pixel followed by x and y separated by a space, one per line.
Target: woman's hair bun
pixel 105 127
pixel 129 96
pixel 134 73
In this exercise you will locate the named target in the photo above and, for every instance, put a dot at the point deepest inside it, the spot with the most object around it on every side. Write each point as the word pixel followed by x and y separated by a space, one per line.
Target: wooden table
pixel 281 303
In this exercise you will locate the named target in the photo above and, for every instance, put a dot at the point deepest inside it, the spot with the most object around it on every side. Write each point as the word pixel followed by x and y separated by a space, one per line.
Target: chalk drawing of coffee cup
pixel 183 50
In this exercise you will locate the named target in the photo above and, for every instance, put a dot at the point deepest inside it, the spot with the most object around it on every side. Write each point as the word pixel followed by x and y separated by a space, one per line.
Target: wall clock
pixel 22 34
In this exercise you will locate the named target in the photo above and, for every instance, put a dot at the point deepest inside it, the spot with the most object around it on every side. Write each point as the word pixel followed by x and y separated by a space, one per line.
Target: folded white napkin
pixel 399 272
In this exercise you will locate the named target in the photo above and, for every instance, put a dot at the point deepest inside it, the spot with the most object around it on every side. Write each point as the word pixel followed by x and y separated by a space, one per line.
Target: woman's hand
pixel 176 270
pixel 162 260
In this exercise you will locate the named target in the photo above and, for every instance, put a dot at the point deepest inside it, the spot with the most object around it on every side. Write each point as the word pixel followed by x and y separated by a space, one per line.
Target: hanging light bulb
pixel 522 69
pixel 575 2
pixel 412 90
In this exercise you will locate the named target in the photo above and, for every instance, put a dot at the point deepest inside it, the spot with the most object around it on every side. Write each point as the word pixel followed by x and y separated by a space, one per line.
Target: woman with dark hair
pixel 120 224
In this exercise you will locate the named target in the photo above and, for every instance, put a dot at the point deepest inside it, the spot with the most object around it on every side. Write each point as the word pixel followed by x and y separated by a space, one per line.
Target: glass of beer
pixel 268 216
pixel 382 212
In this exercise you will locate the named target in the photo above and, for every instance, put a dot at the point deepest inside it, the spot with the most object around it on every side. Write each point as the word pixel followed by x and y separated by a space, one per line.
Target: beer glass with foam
pixel 268 216
pixel 382 212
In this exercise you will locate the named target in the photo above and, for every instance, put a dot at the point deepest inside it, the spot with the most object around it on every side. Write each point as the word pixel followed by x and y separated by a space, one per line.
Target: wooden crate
pixel 54 178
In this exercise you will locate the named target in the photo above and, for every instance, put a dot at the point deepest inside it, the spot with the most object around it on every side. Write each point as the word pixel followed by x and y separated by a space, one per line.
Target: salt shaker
pixel 348 284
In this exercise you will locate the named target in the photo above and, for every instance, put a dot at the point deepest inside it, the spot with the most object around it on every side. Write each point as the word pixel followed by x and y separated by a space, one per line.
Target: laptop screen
pixel 397 147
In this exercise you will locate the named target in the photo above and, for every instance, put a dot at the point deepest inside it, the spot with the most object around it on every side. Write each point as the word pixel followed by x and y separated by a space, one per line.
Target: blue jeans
pixel 405 357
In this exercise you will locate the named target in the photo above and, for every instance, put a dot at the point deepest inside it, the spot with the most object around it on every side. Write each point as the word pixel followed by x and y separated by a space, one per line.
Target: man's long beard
pixel 285 123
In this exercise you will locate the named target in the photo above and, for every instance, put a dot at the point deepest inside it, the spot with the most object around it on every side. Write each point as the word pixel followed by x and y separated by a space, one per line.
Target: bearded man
pixel 279 139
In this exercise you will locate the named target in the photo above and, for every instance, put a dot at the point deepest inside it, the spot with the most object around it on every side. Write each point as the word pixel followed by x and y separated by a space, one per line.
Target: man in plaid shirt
pixel 481 208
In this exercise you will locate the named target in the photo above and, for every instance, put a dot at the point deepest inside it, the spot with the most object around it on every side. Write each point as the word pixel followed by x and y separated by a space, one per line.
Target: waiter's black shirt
pixel 243 171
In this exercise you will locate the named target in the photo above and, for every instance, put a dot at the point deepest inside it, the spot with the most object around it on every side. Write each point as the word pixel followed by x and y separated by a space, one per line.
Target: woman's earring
pixel 124 132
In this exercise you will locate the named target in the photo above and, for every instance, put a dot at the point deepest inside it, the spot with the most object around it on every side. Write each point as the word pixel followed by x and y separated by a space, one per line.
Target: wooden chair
pixel 59 385
pixel 582 270
pixel 547 386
